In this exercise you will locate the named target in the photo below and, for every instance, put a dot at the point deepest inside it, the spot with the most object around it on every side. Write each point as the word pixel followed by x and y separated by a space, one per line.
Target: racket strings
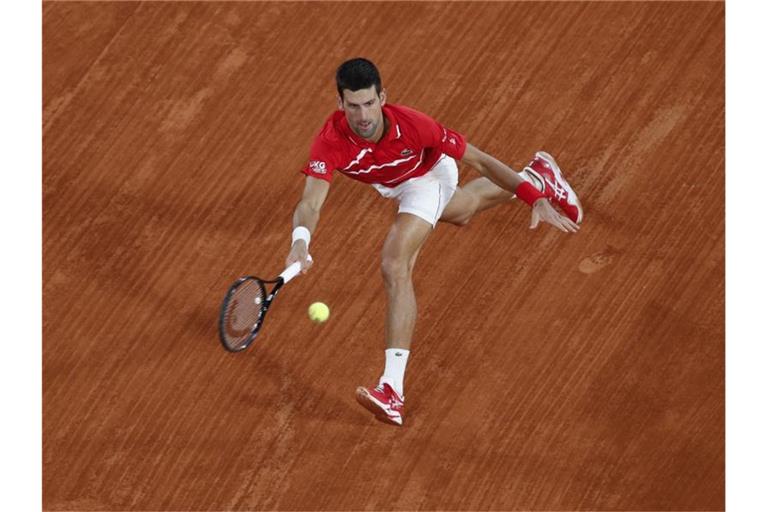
pixel 242 312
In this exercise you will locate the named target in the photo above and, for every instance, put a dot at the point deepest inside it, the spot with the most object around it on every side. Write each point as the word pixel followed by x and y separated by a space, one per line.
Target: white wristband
pixel 300 233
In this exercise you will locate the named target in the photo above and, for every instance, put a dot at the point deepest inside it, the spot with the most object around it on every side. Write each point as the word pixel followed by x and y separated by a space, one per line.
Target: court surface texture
pixel 549 371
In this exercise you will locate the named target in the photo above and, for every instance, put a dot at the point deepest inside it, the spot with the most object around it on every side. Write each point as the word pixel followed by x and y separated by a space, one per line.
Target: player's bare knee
pixel 459 221
pixel 462 221
pixel 395 269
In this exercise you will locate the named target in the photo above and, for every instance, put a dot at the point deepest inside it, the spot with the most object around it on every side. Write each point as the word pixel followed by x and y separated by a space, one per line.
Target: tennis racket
pixel 245 306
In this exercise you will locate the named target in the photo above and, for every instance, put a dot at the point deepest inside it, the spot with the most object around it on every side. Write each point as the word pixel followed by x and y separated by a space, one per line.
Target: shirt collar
pixel 394 127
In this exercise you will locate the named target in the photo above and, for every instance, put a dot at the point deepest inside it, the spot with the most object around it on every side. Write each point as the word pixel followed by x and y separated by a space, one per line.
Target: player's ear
pixel 339 102
pixel 383 96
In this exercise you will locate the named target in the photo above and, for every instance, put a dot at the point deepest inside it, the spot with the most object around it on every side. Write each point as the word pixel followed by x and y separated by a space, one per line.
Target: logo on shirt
pixel 406 152
pixel 317 166
pixel 452 140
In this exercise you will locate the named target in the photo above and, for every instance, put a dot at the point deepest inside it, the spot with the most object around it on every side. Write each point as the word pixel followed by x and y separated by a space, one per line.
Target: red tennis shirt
pixel 411 146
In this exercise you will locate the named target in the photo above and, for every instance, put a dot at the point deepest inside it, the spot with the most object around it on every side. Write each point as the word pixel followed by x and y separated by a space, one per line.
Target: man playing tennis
pixel 411 158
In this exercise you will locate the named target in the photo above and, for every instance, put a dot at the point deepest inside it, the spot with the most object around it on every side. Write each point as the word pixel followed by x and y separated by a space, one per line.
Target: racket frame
pixel 264 307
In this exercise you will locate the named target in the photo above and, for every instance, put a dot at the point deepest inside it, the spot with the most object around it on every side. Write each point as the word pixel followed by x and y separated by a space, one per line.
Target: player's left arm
pixel 496 171
pixel 503 176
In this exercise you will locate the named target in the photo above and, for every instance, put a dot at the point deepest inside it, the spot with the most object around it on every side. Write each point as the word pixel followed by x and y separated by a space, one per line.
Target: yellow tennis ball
pixel 319 312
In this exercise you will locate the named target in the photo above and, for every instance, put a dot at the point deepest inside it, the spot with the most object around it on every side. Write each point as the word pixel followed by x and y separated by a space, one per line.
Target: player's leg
pixel 422 201
pixel 401 247
pixel 476 196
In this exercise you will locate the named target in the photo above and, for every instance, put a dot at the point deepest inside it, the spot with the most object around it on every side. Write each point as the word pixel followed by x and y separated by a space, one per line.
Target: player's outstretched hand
pixel 544 211
pixel 300 253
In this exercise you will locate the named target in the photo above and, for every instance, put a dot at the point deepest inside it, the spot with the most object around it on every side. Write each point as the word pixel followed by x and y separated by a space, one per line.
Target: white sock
pixel 394 368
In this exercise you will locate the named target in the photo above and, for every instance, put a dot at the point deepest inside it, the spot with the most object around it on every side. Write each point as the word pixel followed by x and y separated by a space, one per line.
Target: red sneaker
pixel 382 401
pixel 546 176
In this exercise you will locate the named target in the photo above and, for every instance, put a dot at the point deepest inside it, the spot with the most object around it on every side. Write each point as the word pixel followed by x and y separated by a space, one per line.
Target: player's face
pixel 363 111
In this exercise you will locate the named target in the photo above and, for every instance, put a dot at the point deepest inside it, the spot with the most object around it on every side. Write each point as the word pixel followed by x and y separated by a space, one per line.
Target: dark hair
pixel 356 74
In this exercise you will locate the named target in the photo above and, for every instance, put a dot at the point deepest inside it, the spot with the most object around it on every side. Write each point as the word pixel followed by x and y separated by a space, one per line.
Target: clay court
pixel 548 372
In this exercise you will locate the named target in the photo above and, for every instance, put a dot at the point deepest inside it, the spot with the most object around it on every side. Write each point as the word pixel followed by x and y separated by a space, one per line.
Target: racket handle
pixel 292 271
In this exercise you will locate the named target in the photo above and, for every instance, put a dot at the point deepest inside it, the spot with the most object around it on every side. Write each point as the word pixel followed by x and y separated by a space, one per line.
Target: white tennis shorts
pixel 426 196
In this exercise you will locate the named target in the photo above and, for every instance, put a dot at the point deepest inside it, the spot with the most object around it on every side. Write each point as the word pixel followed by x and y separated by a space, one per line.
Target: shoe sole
pixel 559 175
pixel 365 399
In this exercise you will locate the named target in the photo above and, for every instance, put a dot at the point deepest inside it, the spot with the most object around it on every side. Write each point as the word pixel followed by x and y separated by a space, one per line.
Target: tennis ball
pixel 319 312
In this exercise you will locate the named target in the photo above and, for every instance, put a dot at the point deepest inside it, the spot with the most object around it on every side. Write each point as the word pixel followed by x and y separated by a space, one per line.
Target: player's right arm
pixel 305 219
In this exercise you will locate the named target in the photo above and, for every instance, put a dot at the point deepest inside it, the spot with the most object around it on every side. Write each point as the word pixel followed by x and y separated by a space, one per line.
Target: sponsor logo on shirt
pixel 317 166
pixel 406 152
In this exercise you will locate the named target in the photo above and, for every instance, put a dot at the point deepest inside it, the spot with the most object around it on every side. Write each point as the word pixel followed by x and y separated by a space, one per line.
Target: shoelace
pixel 560 192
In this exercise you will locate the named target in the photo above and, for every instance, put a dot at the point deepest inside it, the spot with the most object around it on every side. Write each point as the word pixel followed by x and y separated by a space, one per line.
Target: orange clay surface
pixel 549 371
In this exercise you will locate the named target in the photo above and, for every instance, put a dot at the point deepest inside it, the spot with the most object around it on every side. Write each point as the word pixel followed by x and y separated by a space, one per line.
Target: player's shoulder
pixel 409 114
pixel 330 144
pixel 411 120
pixel 331 133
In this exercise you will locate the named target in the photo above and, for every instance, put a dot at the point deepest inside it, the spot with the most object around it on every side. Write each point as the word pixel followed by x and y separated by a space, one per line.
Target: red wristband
pixel 528 193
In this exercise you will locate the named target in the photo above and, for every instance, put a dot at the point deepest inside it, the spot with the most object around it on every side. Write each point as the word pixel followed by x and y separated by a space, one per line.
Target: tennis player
pixel 410 158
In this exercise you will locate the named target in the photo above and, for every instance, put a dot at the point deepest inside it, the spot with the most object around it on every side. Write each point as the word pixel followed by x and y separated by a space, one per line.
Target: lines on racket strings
pixel 244 310
pixel 247 298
